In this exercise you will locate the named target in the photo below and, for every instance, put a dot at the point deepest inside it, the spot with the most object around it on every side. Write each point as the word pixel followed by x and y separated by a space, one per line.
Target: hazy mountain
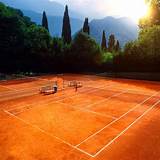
pixel 51 7
pixel 55 22
pixel 123 28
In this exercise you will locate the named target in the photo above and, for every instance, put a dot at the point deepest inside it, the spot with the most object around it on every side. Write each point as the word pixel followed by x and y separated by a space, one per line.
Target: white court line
pixel 77 106
pixel 18 91
pixel 28 89
pixel 48 134
pixel 92 90
pixel 35 89
pixel 136 92
pixel 89 91
pixel 133 91
pixel 116 120
pixel 25 89
pixel 108 98
pixel 147 111
pixel 19 96
pixel 67 142
pixel 86 110
pixel 99 102
pixel 9 88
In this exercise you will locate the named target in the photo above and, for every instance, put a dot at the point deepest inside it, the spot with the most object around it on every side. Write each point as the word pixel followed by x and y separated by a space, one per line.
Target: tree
pixel 144 53
pixel 117 46
pixel 86 28
pixel 103 43
pixel 86 52
pixel 45 21
pixel 66 29
pixel 111 43
pixel 37 39
pixel 155 12
pixel 153 16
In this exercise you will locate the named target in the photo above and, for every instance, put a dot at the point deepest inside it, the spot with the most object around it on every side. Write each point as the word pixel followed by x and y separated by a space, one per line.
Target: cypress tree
pixel 117 46
pixel 66 29
pixel 111 43
pixel 86 28
pixel 45 21
pixel 103 43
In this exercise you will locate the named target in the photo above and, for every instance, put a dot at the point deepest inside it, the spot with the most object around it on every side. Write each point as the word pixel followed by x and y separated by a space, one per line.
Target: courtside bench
pixel 45 89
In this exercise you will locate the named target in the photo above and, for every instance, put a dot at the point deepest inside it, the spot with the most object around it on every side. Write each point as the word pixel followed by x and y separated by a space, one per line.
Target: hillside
pixel 55 22
pixel 123 28
pixel 51 7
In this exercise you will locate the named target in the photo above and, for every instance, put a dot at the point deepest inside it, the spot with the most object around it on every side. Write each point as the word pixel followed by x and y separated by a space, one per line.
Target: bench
pixel 47 92
pixel 44 89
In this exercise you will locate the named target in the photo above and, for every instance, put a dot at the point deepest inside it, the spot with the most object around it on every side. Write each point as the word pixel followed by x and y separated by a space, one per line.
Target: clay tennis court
pixel 106 119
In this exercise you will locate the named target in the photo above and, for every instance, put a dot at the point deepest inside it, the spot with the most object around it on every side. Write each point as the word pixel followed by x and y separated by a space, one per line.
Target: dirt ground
pixel 106 119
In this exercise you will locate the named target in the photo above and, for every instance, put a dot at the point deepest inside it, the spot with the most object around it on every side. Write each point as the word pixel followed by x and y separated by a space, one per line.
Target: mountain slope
pixel 55 22
pixel 51 7
pixel 123 29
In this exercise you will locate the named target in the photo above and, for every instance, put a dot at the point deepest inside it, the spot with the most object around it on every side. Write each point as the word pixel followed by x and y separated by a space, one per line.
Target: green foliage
pixel 22 43
pixel 148 43
pixel 66 29
pixel 143 54
pixel 107 57
pixel 26 47
pixel 37 38
pixel 57 45
pixel 86 28
pixel 12 32
pixel 153 17
pixel 86 52
pixel 149 39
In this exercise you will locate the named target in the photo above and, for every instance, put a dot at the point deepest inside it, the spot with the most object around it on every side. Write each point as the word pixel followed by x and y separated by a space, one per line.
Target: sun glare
pixel 135 9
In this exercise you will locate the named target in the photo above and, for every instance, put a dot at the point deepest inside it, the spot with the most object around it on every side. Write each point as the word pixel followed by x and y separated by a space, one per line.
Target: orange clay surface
pixel 106 119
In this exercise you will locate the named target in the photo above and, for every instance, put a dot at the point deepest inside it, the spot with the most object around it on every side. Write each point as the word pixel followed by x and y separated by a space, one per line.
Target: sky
pixel 102 8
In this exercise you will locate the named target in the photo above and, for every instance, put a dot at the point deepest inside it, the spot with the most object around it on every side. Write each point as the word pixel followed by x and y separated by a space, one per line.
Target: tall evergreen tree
pixel 66 29
pixel 86 28
pixel 103 43
pixel 111 43
pixel 117 46
pixel 45 21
